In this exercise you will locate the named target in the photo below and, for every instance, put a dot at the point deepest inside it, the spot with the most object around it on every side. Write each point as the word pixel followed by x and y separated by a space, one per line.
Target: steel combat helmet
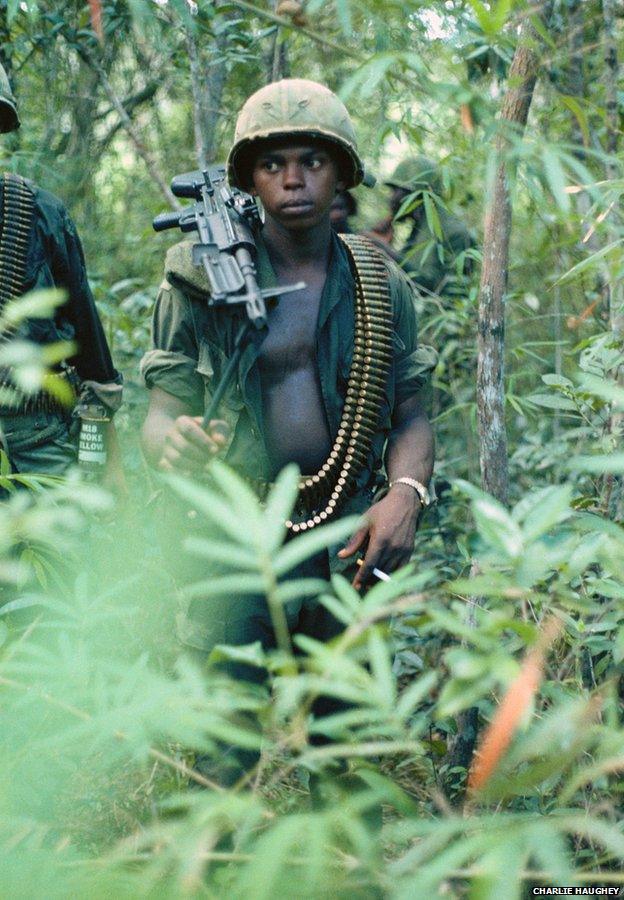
pixel 416 173
pixel 294 106
pixel 9 119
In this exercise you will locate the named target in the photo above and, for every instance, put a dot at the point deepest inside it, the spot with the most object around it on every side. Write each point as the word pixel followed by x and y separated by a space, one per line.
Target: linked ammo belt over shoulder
pixel 18 207
pixel 323 494
pixel 15 229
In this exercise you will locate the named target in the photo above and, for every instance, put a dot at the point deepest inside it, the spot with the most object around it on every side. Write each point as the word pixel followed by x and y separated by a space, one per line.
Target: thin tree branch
pixel 129 126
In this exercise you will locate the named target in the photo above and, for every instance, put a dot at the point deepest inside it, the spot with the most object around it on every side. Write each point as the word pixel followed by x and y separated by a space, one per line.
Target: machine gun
pixel 225 220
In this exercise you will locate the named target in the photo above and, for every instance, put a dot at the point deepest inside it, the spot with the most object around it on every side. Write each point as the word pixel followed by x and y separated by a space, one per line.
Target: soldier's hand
pixel 188 448
pixel 390 531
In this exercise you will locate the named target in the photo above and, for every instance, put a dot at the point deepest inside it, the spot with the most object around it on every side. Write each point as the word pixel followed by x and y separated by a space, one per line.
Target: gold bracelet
pixel 423 494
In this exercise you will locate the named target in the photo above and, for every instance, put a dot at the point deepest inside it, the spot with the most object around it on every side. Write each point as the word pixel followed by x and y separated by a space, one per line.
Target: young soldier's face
pixel 296 182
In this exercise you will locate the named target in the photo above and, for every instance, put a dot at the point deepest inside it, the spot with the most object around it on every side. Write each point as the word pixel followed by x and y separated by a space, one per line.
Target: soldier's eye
pixel 269 165
pixel 315 162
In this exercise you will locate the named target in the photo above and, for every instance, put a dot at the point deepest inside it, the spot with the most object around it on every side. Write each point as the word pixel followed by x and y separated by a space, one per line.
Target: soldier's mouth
pixel 297 206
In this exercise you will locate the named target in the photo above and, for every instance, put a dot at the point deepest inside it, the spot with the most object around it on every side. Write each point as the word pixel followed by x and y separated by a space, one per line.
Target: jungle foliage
pixel 510 619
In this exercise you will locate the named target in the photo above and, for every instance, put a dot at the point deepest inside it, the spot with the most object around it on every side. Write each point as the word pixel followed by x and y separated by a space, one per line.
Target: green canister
pixel 92 449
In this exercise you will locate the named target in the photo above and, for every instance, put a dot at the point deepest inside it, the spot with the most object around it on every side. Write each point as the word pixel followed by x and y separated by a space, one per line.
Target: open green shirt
pixel 192 342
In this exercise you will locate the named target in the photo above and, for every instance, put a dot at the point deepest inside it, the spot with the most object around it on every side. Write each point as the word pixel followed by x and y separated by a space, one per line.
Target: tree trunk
pixel 278 65
pixel 208 76
pixel 613 489
pixel 491 323
pixel 493 287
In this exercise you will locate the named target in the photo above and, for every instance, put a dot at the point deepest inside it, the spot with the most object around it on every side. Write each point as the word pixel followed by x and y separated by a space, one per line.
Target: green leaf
pixel 279 505
pixel 211 504
pixel 432 216
pixel 551 506
pixel 601 387
pixel 226 585
pixel 608 462
pixel 221 552
pixel 5 465
pixel 13 7
pixel 497 528
pixel 552 401
pixel 554 380
pixel 381 666
pixel 590 261
pixel 577 110
pixel 556 179
pixel 312 542
pixel 415 694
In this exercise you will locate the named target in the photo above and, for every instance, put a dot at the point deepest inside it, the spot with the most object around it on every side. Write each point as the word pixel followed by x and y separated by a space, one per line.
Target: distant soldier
pixel 39 249
pixel 429 258
pixel 342 209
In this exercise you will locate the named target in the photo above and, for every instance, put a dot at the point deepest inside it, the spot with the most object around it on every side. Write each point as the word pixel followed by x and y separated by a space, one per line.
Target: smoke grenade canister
pixel 92 449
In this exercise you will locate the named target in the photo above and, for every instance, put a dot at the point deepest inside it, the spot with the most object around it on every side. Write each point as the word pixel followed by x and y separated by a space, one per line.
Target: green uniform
pixel 191 347
pixel 430 260
pixel 36 434
pixel 431 263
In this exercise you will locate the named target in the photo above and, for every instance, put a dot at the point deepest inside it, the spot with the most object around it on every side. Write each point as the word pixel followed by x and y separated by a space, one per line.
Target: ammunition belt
pixel 15 226
pixel 15 230
pixel 323 494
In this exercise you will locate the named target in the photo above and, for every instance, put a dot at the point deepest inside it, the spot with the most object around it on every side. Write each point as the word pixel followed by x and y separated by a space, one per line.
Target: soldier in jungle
pixel 40 249
pixel 295 149
pixel 430 259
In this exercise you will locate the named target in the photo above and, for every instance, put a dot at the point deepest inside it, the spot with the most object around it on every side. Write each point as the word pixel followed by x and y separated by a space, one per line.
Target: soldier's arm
pixel 173 438
pixel 391 523
pixel 92 358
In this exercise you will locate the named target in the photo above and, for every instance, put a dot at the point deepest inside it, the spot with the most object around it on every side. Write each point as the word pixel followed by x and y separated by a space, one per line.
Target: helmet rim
pixel 357 167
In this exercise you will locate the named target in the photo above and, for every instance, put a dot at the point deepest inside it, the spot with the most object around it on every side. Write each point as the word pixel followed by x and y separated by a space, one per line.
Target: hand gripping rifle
pixel 225 220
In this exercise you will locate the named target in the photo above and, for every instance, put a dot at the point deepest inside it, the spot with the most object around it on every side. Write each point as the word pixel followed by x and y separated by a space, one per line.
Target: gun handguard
pixel 225 220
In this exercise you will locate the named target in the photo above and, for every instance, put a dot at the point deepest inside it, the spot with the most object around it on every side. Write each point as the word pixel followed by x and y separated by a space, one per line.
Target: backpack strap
pixel 323 494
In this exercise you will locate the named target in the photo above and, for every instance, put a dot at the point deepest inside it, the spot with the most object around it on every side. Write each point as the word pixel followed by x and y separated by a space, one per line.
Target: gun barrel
pixel 166 220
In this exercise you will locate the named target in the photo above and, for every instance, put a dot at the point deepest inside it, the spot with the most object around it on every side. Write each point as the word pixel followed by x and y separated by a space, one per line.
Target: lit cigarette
pixel 383 576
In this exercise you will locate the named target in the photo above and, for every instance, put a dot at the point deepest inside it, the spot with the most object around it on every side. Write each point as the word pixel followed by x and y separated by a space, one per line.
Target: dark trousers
pixel 237 620
pixel 245 620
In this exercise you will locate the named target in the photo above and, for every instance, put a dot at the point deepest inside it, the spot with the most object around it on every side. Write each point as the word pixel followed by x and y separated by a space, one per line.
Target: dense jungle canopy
pixel 511 622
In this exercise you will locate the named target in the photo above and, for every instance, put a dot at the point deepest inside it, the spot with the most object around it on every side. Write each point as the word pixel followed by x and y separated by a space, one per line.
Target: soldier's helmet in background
pixel 294 107
pixel 418 173
pixel 9 119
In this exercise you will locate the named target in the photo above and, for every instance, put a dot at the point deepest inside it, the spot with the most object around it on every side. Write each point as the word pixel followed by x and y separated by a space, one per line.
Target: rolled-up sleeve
pixel 413 362
pixel 171 364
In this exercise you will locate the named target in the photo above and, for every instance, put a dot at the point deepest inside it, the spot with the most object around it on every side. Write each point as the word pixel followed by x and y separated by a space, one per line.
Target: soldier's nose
pixel 293 175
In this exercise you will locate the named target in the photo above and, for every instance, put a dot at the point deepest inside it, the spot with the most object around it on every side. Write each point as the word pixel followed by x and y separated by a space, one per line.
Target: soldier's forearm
pixel 155 428
pixel 410 449
pixel 162 413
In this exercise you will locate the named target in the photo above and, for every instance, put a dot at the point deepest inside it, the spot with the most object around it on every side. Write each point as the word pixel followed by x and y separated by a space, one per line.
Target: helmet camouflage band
pixel 9 120
pixel 292 107
pixel 416 173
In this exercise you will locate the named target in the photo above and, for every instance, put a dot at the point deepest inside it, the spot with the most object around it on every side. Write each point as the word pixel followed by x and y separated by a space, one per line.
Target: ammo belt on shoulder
pixel 18 205
pixel 323 494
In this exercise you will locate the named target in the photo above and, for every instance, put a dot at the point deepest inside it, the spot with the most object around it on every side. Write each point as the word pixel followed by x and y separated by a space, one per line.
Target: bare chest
pixel 290 344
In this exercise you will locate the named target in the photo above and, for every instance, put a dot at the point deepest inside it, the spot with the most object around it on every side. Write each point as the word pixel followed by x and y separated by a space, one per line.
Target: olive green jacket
pixel 431 263
pixel 192 342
